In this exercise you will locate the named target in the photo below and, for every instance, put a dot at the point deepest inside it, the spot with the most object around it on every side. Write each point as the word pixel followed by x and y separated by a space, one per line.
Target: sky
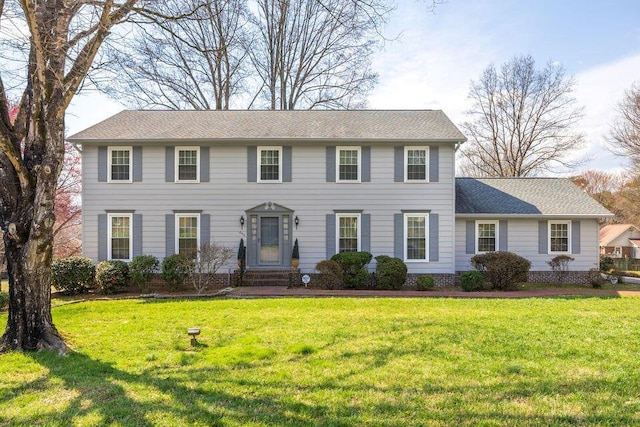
pixel 431 57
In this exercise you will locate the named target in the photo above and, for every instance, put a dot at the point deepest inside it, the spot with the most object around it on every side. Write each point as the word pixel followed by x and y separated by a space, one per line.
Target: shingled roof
pixel 524 197
pixel 400 125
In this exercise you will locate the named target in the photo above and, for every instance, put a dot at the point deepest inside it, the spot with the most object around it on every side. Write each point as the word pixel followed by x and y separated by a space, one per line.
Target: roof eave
pixel 527 216
pixel 81 140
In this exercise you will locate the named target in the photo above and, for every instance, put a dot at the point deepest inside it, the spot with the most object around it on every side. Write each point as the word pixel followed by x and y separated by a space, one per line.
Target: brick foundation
pixel 568 277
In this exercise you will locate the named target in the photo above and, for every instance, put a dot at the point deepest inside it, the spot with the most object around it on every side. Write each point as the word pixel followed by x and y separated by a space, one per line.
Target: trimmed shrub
pixel 330 274
pixel 73 275
pixel 391 273
pixel 606 264
pixel 560 265
pixel 295 253
pixel 355 276
pixel 141 270
pixel 595 278
pixel 175 270
pixel 502 269
pixel 4 299
pixel 426 283
pixel 111 276
pixel 472 281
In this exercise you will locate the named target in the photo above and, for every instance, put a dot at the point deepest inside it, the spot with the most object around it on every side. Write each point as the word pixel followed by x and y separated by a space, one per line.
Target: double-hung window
pixel 559 237
pixel 269 164
pixel 120 236
pixel 348 161
pixel 187 164
pixel 348 232
pixel 187 234
pixel 119 164
pixel 416 164
pixel 486 236
pixel 416 234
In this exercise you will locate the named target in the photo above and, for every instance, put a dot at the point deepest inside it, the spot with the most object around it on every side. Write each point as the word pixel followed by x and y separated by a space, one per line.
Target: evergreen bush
pixel 73 275
pixel 141 271
pixel 111 276
pixel 472 281
pixel 355 275
pixel 502 269
pixel 391 273
pixel 425 283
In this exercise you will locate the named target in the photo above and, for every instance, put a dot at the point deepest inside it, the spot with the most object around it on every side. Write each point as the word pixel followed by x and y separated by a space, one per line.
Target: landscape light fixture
pixel 193 332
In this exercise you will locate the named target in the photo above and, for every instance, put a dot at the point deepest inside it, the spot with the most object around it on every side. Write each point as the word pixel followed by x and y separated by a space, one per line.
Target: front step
pixel 280 277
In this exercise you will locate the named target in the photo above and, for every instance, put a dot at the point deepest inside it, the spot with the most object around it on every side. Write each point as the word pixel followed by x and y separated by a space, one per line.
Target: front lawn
pixel 333 361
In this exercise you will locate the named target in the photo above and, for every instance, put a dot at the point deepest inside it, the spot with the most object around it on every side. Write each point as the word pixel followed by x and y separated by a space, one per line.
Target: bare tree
pixel 624 138
pixel 195 61
pixel 203 268
pixel 63 40
pixel 316 53
pixel 522 121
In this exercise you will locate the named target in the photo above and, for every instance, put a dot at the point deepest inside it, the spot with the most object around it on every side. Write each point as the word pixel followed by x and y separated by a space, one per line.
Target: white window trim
pixel 359 150
pixel 110 161
pixel 406 164
pixel 177 168
pixel 569 249
pixel 110 235
pixel 177 230
pixel 497 244
pixel 359 225
pixel 280 161
pixel 425 215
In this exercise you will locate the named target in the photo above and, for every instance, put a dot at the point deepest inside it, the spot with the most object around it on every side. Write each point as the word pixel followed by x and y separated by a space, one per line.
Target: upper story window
pixel 486 236
pixel 187 164
pixel 416 164
pixel 348 162
pixel 559 236
pixel 348 232
pixel 416 236
pixel 120 161
pixel 187 234
pixel 119 240
pixel 270 164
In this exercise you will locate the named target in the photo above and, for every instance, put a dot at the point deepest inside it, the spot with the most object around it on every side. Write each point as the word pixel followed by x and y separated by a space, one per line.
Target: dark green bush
pixel 295 253
pixel 354 274
pixel 502 269
pixel 4 299
pixel 330 274
pixel 472 281
pixel 595 278
pixel 175 270
pixel 391 273
pixel 73 275
pixel 141 270
pixel 111 276
pixel 426 283
pixel 606 264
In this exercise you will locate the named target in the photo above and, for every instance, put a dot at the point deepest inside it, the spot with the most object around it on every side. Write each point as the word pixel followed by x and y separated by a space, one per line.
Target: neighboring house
pixel 620 241
pixel 163 182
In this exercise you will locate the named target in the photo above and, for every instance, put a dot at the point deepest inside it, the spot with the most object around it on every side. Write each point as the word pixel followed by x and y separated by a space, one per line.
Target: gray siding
pixel 228 194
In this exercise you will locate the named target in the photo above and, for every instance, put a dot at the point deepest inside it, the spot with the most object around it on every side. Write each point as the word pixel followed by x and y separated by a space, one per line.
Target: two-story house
pixel 164 182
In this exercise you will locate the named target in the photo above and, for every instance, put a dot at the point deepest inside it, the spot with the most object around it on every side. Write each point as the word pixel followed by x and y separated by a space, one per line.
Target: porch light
pixel 296 222
pixel 241 221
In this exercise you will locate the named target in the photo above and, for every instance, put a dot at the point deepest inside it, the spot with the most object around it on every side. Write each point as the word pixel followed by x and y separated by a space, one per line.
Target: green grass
pixel 333 362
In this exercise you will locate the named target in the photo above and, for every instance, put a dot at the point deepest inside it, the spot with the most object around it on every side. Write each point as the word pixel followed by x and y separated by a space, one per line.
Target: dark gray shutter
pixel 331 235
pixel 434 164
pixel 365 154
pixel 542 237
pixel 365 233
pixel 434 237
pixel 205 229
pixel 331 164
pixel 398 236
pixel 471 237
pixel 137 164
pixel 398 164
pixel 103 164
pixel 252 164
pixel 286 164
pixel 204 164
pixel 102 237
pixel 137 234
pixel 170 164
pixel 575 237
pixel 503 230
pixel 170 234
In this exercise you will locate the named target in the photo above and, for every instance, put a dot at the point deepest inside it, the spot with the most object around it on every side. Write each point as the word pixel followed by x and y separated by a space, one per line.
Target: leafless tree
pixel 63 38
pixel 315 53
pixel 195 61
pixel 624 138
pixel 203 268
pixel 522 121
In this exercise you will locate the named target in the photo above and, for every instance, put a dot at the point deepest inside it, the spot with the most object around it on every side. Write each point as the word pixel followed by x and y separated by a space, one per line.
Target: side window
pixel 486 236
pixel 348 163
pixel 187 164
pixel 120 237
pixel 416 161
pixel 348 232
pixel 269 164
pixel 559 237
pixel 187 234
pixel 416 234
pixel 120 164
